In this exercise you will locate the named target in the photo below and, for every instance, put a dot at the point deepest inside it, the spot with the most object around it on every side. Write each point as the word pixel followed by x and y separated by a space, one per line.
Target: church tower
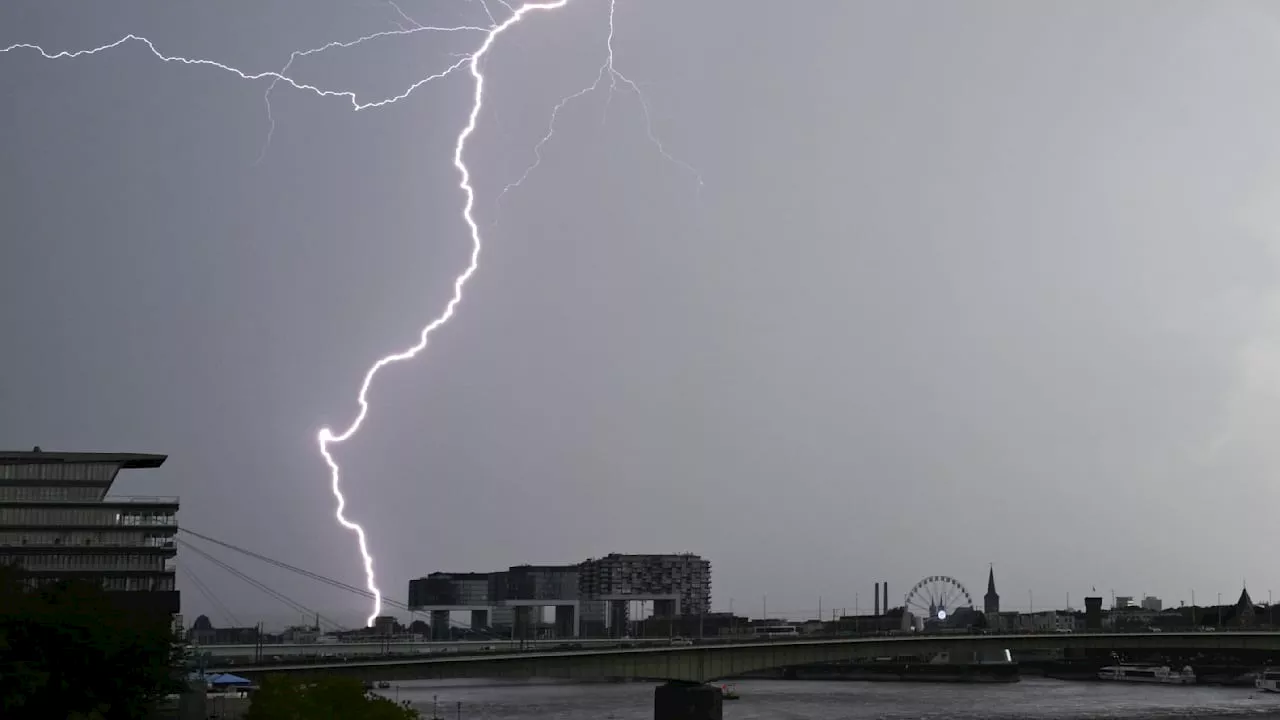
pixel 991 601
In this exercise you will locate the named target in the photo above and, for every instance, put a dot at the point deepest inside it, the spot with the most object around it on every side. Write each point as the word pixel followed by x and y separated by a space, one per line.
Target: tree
pixel 67 650
pixel 330 698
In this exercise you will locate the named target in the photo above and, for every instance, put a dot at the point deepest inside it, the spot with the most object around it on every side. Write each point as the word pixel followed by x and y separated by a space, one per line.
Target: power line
pixel 290 602
pixel 306 573
pixel 209 595
pixel 292 568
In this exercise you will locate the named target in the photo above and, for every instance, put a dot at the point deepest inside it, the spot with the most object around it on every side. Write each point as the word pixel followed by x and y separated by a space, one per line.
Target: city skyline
pixel 957 289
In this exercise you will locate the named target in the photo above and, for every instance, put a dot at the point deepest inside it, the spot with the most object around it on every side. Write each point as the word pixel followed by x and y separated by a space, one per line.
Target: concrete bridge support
pixel 566 621
pixel 619 614
pixel 439 624
pixel 479 619
pixel 523 622
pixel 687 701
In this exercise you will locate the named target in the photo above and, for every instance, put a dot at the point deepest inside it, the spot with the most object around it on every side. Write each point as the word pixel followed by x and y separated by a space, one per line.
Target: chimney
pixel 885 585
pixel 877 599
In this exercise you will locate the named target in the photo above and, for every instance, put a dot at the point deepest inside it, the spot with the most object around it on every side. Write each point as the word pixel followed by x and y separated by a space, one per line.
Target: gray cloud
pixel 967 283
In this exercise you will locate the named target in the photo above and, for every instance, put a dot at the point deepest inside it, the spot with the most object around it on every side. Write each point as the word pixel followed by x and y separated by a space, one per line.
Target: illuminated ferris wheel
pixel 937 597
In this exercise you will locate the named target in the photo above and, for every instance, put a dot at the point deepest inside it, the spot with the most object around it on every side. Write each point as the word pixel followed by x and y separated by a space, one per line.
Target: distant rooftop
pixel 132 461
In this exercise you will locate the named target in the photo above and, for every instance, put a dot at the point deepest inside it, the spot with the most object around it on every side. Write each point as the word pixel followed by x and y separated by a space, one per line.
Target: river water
pixel 1031 699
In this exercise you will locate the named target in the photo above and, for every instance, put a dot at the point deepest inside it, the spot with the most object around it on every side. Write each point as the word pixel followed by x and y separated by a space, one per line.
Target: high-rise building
pixel 991 601
pixel 1152 603
pixel 57 521
pixel 450 589
pixel 678 584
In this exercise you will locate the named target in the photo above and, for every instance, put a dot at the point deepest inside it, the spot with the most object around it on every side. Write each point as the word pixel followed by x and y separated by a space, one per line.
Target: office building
pixel 450 589
pixel 57 522
pixel 588 598
pixel 676 584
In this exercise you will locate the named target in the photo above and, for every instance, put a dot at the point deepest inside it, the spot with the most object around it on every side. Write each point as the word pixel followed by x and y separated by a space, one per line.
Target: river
pixel 1031 699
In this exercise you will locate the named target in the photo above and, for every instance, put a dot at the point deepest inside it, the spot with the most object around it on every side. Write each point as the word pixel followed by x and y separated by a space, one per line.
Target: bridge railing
pixel 331 654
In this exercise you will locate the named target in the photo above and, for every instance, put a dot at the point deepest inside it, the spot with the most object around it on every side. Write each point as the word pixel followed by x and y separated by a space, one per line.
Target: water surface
pixel 1031 699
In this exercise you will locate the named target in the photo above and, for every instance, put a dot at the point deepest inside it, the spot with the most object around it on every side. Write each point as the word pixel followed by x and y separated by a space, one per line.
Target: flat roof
pixel 132 461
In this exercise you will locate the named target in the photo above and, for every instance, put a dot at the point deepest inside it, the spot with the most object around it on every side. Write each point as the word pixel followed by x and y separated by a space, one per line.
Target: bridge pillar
pixel 523 622
pixel 687 701
pixel 439 624
pixel 664 608
pixel 619 614
pixel 479 619
pixel 566 621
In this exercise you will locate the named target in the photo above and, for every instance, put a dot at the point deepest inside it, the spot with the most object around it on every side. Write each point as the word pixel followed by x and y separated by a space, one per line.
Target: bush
pixel 66 651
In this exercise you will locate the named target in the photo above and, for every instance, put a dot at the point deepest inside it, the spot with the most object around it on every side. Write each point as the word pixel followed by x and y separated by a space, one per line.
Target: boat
pixel 383 684
pixel 1160 675
pixel 729 692
pixel 1268 681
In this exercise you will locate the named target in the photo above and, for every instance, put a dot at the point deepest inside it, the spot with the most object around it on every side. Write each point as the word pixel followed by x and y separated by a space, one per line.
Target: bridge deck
pixel 701 663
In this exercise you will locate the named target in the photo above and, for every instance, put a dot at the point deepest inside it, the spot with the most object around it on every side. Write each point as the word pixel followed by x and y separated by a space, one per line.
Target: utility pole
pixel 819 608
pixel 764 609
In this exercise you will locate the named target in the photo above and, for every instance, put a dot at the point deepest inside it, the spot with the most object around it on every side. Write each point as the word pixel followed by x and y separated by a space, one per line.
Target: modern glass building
pixel 57 521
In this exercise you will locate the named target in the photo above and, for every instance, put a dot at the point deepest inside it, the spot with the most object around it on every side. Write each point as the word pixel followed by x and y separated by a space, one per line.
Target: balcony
pixel 142 499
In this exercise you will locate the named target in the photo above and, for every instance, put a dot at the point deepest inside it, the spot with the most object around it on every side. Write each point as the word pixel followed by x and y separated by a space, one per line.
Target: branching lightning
pixel 326 437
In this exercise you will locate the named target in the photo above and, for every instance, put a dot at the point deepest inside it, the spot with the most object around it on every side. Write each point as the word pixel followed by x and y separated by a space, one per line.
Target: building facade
pixel 57 522
pixel 677 584
pixel 450 589
pixel 588 598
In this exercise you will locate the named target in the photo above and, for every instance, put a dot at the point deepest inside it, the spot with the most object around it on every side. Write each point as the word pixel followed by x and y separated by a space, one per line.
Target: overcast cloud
pixel 966 283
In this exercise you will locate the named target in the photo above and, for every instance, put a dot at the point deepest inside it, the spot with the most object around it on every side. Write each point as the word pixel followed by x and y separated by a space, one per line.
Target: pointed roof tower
pixel 991 601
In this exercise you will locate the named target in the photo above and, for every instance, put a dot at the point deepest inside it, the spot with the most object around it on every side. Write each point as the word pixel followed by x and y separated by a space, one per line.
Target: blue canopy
pixel 227 679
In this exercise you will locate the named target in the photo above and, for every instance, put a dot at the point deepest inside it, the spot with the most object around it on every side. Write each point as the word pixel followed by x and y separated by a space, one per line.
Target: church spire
pixel 991 601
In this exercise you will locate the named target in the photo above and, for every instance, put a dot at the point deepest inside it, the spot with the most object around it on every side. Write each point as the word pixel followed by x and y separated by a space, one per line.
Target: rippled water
pixel 792 700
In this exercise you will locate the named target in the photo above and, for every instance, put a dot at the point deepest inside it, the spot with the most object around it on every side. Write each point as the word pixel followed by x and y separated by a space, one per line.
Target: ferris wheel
pixel 937 597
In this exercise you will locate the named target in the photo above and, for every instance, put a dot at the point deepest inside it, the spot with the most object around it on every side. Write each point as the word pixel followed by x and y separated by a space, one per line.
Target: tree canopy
pixel 331 698
pixel 66 650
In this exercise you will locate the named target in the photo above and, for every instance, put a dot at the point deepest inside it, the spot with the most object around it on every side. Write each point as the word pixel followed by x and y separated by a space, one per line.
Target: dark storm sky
pixel 967 282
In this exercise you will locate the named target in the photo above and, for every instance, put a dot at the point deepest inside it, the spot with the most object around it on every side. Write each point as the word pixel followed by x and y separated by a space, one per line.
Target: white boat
pixel 1160 675
pixel 1268 681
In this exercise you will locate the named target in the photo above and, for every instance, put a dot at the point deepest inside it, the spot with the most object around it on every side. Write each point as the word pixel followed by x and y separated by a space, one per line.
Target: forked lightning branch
pixel 471 63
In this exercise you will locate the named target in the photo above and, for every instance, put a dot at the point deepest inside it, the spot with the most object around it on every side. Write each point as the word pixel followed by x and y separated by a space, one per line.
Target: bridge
pixel 686 669
pixel 705 662
pixel 235 653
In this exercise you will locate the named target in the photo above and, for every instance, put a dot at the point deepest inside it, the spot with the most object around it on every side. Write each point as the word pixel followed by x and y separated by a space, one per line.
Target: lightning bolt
pixel 326 438
pixel 611 71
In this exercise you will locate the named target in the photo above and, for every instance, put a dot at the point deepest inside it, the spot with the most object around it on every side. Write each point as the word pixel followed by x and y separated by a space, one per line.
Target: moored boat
pixel 1268 681
pixel 1159 675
